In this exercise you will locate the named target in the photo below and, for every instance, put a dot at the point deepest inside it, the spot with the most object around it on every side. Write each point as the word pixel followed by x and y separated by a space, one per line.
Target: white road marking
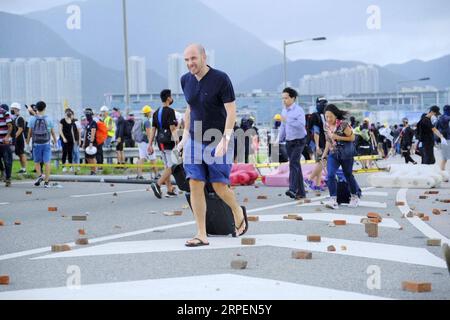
pixel 209 287
pixel 367 204
pixel 3 203
pixel 376 194
pixel 361 249
pixel 329 217
pixel 420 225
pixel 96 240
pixel 106 193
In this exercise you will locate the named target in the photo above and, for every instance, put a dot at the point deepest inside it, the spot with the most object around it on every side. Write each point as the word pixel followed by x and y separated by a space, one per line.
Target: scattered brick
pixel 4 280
pixel 331 249
pixel 434 242
pixel 432 192
pixel 2 223
pixel 436 212
pixel 117 227
pixel 399 203
pixel 299 218
pixel 423 197
pixel 245 200
pixel 375 216
pixel 262 198
pixel 79 218
pixel 239 264
pixel 82 241
pixel 52 209
pixel 303 255
pixel 314 238
pixel 340 222
pixel 253 218
pixel 256 187
pixel 420 215
pixel 416 287
pixel 248 241
pixel 60 247
pixel 291 217
pixel 307 200
pixel 445 201
pixel 318 194
pixel 343 248
pixel 426 218
pixel 81 232
pixel 178 213
pixel 17 223
pixel 28 193
pixel 111 185
pixel 372 229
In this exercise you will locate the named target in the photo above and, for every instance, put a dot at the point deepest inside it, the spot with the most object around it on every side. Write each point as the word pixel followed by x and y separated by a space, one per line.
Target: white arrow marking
pixel 210 287
pixel 362 249
pixel 420 225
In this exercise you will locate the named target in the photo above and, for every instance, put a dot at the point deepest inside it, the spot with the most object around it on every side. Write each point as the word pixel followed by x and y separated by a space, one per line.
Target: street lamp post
pixel 287 43
pixel 398 91
pixel 125 39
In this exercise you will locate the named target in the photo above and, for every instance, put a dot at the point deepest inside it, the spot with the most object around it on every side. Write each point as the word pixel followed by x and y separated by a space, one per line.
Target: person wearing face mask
pixel 364 141
pixel 120 135
pixel 67 132
pixel 316 126
pixel 406 141
pixel 89 139
pixel 19 136
pixel 426 130
pixel 443 125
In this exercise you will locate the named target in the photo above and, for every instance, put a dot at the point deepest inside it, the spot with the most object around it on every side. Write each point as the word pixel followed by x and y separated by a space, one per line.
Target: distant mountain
pixel 32 39
pixel 438 70
pixel 271 78
pixel 157 28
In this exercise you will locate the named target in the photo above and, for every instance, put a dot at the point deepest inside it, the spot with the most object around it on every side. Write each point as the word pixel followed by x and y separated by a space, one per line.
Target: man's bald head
pixel 196 47
pixel 195 58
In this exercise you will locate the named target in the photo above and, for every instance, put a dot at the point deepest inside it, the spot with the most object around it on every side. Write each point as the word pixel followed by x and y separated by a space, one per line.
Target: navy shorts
pixel 200 164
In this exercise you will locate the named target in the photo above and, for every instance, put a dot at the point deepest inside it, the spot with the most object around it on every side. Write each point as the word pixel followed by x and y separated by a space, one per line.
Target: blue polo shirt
pixel 207 99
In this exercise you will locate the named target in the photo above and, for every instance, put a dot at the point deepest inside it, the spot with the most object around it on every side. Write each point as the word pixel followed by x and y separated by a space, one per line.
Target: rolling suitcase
pixel 343 190
pixel 219 217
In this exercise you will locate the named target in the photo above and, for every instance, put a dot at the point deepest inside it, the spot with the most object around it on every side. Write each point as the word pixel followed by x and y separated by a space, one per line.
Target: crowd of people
pixel 90 132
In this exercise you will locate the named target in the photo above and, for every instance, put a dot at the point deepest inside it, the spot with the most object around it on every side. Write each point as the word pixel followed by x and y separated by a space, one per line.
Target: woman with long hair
pixel 340 152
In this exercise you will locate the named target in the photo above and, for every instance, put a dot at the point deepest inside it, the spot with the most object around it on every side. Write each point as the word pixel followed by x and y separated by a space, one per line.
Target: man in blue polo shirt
pixel 210 116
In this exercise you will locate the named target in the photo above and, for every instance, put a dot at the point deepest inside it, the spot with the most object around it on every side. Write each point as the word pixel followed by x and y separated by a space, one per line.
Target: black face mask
pixel 171 102
pixel 13 112
pixel 89 117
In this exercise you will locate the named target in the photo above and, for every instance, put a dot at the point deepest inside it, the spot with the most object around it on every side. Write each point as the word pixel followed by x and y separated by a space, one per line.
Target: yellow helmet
pixel 277 117
pixel 147 109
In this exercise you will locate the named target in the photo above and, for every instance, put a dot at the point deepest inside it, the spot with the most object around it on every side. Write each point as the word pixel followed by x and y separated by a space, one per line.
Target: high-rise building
pixel 57 81
pixel 5 81
pixel 176 68
pixel 361 79
pixel 138 75
pixel 17 79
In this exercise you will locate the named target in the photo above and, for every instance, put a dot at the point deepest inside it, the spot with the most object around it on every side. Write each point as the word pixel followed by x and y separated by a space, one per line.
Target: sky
pixel 372 31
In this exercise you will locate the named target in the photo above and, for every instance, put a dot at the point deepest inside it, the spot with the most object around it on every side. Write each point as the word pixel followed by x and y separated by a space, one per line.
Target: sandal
pixel 200 243
pixel 244 211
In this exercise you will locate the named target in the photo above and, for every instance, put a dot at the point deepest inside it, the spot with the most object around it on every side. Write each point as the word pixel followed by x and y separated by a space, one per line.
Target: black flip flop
pixel 199 244
pixel 244 211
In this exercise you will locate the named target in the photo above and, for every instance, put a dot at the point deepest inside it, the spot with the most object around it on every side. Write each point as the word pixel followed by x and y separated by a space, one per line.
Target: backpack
pixel 128 129
pixel 443 125
pixel 102 133
pixel 40 131
pixel 138 133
